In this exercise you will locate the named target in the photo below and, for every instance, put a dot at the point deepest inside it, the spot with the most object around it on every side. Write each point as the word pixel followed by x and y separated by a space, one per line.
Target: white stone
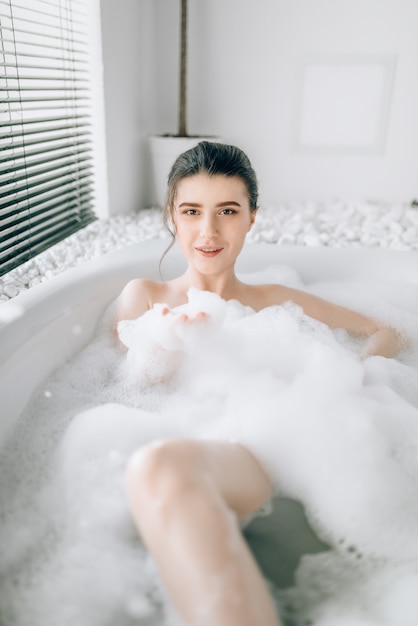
pixel 286 238
pixel 337 223
pixel 311 239
pixel 293 227
pixel 11 290
pixel 395 228
pixel 410 235
pixel 25 279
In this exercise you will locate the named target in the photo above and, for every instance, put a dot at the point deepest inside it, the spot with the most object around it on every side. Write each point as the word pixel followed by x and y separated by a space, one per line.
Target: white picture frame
pixel 342 104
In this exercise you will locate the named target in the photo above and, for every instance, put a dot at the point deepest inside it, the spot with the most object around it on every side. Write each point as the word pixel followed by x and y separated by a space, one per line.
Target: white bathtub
pixel 58 317
pixel 42 337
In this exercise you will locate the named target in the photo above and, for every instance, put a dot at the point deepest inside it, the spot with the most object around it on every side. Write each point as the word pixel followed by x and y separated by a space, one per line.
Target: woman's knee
pixel 159 472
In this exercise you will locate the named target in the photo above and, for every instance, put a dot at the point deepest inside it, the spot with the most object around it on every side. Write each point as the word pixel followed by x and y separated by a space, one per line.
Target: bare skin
pixel 186 496
pixel 203 221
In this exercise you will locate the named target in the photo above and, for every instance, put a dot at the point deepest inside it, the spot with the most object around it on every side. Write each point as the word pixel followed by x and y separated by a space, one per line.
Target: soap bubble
pixel 336 433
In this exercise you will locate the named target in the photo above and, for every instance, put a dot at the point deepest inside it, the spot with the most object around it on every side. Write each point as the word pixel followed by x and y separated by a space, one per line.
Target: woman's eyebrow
pixel 220 204
pixel 228 203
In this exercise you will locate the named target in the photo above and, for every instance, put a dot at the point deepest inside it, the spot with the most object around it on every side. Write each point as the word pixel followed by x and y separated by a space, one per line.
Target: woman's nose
pixel 208 228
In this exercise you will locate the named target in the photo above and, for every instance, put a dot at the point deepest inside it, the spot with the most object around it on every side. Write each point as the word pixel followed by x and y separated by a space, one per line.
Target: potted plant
pixel 165 148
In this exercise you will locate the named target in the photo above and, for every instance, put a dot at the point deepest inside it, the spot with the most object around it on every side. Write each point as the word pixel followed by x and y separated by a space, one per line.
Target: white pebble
pixel 336 223
pixel 293 227
pixel 269 235
pixel 395 228
pixel 311 240
pixel 25 279
pixel 410 235
pixel 11 290
pixel 287 238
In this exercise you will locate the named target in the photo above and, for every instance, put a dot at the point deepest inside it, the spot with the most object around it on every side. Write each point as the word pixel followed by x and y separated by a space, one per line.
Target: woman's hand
pixel 179 329
pixel 182 317
pixel 170 342
pixel 385 341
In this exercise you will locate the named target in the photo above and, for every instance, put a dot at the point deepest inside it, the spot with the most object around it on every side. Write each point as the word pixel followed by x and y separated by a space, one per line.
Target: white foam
pixel 335 432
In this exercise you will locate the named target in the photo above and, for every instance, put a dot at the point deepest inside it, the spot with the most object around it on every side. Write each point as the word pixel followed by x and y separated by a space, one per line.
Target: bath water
pixel 334 432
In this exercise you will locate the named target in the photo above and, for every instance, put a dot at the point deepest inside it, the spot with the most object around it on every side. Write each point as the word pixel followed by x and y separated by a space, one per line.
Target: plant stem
pixel 182 127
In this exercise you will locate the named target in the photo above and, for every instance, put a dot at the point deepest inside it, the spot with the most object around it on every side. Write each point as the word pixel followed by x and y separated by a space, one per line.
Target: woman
pixel 187 496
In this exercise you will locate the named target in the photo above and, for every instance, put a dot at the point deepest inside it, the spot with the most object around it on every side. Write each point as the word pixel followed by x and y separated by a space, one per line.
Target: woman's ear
pixel 253 215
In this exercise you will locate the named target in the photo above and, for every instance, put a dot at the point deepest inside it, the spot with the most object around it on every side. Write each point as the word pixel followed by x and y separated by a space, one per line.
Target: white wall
pixel 129 71
pixel 244 57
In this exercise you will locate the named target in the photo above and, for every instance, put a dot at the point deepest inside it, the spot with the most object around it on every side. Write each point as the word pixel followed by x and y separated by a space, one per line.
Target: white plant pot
pixel 163 152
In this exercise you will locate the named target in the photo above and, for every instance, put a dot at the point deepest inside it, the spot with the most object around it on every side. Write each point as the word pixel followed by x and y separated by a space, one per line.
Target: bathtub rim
pixel 69 289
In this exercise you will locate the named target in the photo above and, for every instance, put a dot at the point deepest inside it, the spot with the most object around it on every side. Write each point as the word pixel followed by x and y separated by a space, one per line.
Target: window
pixel 46 160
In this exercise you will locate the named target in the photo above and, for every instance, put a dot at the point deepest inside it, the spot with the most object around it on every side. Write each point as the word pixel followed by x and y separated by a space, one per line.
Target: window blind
pixel 46 161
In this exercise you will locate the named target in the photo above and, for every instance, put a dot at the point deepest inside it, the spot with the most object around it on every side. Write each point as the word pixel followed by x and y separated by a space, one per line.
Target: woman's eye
pixel 228 211
pixel 190 212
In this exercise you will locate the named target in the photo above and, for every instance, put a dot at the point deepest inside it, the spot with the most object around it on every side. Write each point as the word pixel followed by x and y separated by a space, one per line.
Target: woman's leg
pixel 185 497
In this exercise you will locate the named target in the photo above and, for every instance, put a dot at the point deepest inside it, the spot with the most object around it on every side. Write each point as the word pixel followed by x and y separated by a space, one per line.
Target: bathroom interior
pixel 322 96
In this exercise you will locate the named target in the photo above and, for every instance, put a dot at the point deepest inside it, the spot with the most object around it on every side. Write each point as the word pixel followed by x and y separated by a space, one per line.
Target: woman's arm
pixel 381 339
pixel 133 301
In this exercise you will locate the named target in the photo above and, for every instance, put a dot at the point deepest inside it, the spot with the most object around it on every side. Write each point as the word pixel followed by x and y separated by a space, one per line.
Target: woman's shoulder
pixel 138 296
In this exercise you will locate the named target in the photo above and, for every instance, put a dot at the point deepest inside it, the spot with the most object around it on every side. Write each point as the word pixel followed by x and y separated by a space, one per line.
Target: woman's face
pixel 212 217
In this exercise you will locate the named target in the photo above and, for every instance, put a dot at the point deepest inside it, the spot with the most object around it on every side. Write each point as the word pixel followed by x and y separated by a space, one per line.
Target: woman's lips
pixel 209 251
